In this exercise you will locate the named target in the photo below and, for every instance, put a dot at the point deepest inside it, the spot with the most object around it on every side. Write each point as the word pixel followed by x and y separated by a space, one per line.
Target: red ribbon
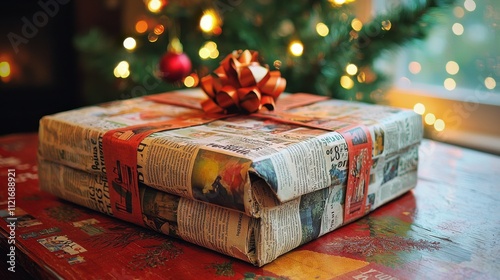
pixel 240 83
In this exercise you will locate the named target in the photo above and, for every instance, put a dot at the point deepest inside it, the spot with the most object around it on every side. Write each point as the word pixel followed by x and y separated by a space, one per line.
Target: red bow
pixel 240 83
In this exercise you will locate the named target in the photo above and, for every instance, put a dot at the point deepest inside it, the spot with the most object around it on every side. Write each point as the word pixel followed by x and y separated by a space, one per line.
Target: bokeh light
pixel 419 108
pixel 356 24
pixel 450 84
pixel 296 48
pixel 322 29
pixel 129 43
pixel 490 83
pixel 439 125
pixel 430 119
pixel 470 5
pixel 458 29
pixel 122 70
pixel 414 67
pixel 351 69
pixel 209 21
pixel 155 6
pixel 458 12
pixel 4 69
pixel 452 67
pixel 141 26
pixel 346 82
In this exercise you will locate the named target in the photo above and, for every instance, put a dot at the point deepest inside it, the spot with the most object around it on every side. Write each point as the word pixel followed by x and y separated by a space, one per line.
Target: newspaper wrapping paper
pixel 214 162
pixel 280 228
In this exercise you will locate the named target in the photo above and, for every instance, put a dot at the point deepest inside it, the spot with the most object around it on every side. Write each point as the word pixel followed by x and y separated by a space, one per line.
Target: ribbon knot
pixel 241 84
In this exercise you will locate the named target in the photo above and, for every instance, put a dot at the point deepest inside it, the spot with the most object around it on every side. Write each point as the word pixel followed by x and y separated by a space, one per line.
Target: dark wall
pixel 36 38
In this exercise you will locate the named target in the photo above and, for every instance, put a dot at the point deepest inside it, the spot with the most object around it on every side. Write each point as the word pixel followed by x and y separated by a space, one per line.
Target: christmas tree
pixel 321 47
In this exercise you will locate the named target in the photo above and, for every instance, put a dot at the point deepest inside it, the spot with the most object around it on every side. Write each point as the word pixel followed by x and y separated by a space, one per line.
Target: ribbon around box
pixel 241 84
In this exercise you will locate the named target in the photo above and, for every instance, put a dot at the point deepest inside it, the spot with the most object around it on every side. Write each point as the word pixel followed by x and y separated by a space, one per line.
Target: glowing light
pixel 296 48
pixel 414 67
pixel 351 69
pixel 356 24
pixel 346 82
pixel 155 6
pixel 458 29
pixel 189 81
pixel 209 50
pixel 439 125
pixel 277 64
pixel 430 119
pixel 204 53
pixel 452 67
pixel 419 108
pixel 122 70
pixel 450 84
pixel 214 54
pixel 489 83
pixel 386 25
pixel 361 77
pixel 152 37
pixel 158 29
pixel 458 12
pixel 470 5
pixel 129 43
pixel 209 21
pixel 338 2
pixel 211 46
pixel 141 26
pixel 322 29
pixel 4 69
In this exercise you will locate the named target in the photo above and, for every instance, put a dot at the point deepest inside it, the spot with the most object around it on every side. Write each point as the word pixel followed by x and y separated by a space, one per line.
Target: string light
pixel 351 69
pixel 337 2
pixel 296 48
pixel 4 69
pixel 386 25
pixel 450 84
pixel 470 5
pixel 209 50
pixel 155 6
pixel 152 38
pixel 191 80
pixel 322 29
pixel 129 43
pixel 209 21
pixel 458 12
pixel 356 24
pixel 141 26
pixel 419 108
pixel 452 67
pixel 414 67
pixel 458 29
pixel 346 82
pixel 439 125
pixel 122 70
pixel 430 119
pixel 158 30
pixel 490 83
pixel 361 77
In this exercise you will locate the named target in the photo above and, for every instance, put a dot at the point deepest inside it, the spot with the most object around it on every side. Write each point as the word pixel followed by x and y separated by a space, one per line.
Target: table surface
pixel 446 228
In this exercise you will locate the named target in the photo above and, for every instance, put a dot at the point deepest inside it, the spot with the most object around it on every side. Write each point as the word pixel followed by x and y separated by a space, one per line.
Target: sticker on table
pixel 61 243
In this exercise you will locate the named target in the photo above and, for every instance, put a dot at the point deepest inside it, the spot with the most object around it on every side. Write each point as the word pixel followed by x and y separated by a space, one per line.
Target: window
pixel 452 77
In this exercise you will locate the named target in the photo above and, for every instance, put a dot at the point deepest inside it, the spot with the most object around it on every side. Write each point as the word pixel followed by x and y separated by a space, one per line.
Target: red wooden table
pixel 448 227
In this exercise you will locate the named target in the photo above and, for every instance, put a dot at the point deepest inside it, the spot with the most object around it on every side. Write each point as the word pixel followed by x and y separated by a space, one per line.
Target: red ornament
pixel 174 66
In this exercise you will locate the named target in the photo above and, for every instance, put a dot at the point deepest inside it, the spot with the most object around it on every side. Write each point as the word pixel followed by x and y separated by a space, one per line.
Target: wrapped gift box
pixel 250 186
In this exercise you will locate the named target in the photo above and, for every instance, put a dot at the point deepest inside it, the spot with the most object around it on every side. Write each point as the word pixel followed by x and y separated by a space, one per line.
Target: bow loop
pixel 241 83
